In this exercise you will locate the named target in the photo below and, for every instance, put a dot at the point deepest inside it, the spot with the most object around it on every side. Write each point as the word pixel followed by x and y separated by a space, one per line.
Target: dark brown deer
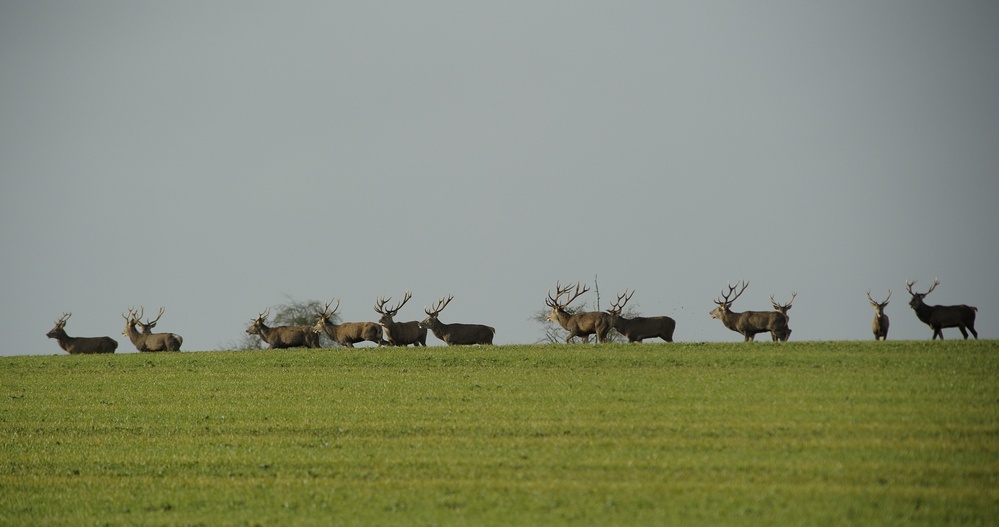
pixel 146 340
pixel 348 333
pixel 283 336
pixel 939 317
pixel 880 324
pixel 749 323
pixel 577 324
pixel 639 328
pixel 399 333
pixel 79 345
pixel 456 334
pixel 783 309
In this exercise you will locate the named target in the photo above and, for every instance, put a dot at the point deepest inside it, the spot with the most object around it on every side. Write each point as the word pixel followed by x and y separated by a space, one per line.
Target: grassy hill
pixel 797 433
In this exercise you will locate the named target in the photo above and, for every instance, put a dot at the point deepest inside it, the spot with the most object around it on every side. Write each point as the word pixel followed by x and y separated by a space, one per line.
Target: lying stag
pixel 577 324
pixel 456 334
pixel 939 317
pixel 146 340
pixel 880 324
pixel 748 323
pixel 348 333
pixel 399 333
pixel 639 328
pixel 78 345
pixel 783 309
pixel 283 336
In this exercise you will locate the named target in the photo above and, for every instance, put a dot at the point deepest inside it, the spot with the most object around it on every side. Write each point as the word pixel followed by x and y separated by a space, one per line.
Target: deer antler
pixel 439 306
pixel 618 305
pixel 933 286
pixel 778 305
pixel 875 302
pixel 153 323
pixel 559 291
pixel 728 301
pixel 380 304
pixel 62 320
pixel 908 287
pixel 326 312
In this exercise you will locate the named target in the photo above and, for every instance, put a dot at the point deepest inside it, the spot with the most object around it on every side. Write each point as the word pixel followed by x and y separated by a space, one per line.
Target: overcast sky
pixel 217 158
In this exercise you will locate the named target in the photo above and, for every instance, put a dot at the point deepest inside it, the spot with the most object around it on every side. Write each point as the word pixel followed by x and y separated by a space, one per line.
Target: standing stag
pixel 639 328
pixel 399 333
pixel 939 317
pixel 79 345
pixel 146 340
pixel 748 323
pixel 783 309
pixel 283 336
pixel 348 333
pixel 880 324
pixel 577 324
pixel 456 334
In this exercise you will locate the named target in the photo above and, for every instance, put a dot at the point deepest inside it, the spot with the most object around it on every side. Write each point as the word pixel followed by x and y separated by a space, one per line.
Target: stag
pixel 348 333
pixel 455 334
pixel 284 336
pixel 880 324
pixel 146 340
pixel 939 317
pixel 783 309
pixel 639 328
pixel 748 323
pixel 79 345
pixel 399 333
pixel 577 324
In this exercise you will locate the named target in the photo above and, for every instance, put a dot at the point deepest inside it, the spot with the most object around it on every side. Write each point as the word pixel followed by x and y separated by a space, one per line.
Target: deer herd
pixel 577 323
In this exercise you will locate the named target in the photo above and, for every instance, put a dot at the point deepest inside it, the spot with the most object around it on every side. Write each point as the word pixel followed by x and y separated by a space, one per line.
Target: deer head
pixel 618 306
pixel 326 316
pixel 726 299
pixel 879 307
pixel 560 307
pixel 149 324
pixel 258 323
pixel 60 326
pixel 388 313
pixel 917 298
pixel 783 308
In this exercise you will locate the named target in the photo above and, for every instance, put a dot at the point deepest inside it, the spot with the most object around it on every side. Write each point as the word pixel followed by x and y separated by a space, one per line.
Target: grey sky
pixel 216 158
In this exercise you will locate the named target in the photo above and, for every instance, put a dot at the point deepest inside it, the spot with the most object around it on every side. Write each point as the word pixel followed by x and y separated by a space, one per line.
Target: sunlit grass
pixel 795 433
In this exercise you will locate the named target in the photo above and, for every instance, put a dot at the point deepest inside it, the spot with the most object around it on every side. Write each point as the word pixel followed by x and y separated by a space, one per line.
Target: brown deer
pixel 79 345
pixel 939 317
pixel 399 333
pixel 880 324
pixel 146 340
pixel 348 333
pixel 577 324
pixel 749 323
pixel 456 334
pixel 639 328
pixel 283 336
pixel 783 309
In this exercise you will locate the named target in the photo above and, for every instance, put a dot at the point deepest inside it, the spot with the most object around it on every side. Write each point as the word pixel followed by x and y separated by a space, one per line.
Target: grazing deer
pixel 146 340
pixel 639 328
pixel 577 324
pixel 79 345
pixel 939 317
pixel 399 333
pixel 348 333
pixel 748 323
pixel 880 324
pixel 456 334
pixel 783 309
pixel 283 336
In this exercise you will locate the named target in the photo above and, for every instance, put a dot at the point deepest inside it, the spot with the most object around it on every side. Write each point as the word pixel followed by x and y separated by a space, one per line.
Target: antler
pixel 326 312
pixel 778 305
pixel 439 306
pixel 264 314
pixel 728 301
pixel 380 304
pixel 618 305
pixel 875 302
pixel 908 287
pixel 559 291
pixel 129 316
pixel 62 320
pixel 153 323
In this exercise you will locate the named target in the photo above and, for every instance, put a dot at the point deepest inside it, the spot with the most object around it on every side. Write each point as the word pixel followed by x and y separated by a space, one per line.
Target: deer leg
pixel 963 332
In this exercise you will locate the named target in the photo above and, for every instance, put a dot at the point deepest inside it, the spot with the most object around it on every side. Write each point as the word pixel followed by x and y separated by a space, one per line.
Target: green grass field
pixel 837 433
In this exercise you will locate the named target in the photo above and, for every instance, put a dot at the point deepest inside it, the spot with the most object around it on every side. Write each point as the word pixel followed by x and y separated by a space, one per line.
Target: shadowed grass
pixel 797 433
